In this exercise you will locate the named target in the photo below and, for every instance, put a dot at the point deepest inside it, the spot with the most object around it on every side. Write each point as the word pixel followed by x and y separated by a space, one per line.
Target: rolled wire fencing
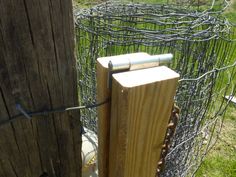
pixel 203 48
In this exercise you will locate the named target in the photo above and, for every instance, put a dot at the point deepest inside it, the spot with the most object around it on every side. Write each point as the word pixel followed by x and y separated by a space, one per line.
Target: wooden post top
pixel 145 76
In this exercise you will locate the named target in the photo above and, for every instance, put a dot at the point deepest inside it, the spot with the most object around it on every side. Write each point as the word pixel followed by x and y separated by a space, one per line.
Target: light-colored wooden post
pixel 104 93
pixel 140 110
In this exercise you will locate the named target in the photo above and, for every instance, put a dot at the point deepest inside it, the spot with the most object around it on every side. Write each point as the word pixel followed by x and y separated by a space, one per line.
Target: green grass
pixel 231 12
pixel 222 166
pixel 221 161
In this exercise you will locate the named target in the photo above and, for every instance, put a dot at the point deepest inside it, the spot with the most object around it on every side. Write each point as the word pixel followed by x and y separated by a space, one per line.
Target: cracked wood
pixel 37 70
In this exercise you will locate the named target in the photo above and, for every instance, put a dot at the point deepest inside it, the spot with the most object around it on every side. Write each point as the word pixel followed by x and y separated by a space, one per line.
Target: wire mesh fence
pixel 203 46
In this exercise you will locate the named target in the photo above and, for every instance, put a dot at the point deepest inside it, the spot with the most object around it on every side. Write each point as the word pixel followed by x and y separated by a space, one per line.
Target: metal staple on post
pixel 19 108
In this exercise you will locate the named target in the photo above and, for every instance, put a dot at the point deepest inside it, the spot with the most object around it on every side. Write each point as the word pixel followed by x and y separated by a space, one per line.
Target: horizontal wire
pixel 46 112
pixel 210 72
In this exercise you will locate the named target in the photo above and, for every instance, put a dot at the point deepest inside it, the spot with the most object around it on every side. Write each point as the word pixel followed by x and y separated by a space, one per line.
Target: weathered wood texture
pixel 141 106
pixel 103 93
pixel 37 70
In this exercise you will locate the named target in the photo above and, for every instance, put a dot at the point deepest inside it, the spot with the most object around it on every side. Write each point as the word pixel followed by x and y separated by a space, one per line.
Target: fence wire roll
pixel 203 46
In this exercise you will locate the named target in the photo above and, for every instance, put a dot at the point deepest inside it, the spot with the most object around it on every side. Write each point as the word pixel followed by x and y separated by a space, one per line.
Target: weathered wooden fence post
pixel 140 109
pixel 37 71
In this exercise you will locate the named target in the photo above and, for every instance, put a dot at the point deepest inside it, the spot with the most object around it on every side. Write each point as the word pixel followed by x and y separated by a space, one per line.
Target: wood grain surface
pixel 103 93
pixel 38 71
pixel 141 106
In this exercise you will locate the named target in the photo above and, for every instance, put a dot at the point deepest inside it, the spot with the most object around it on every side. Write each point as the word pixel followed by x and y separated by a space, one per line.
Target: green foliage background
pixel 221 161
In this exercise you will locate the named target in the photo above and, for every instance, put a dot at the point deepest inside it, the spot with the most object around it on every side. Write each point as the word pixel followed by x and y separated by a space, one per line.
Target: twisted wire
pixel 203 46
